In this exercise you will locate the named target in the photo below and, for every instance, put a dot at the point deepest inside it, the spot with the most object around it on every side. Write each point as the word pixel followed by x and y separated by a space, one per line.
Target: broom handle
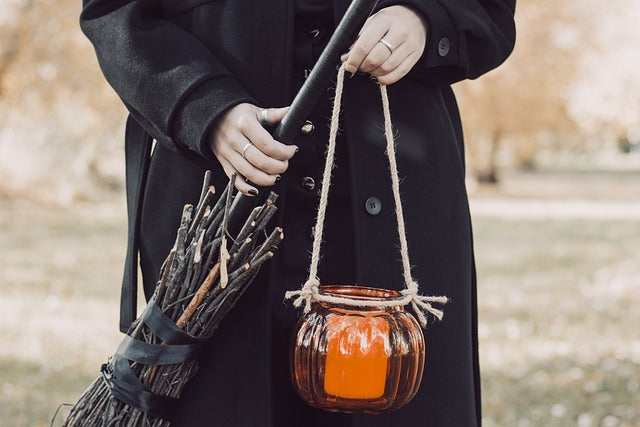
pixel 312 89
pixel 324 70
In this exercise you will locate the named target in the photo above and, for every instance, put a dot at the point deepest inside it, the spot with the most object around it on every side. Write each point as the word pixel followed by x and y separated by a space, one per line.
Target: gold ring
pixel 387 44
pixel 244 150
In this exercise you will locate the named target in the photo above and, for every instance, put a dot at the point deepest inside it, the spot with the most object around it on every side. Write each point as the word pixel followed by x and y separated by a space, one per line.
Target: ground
pixel 559 300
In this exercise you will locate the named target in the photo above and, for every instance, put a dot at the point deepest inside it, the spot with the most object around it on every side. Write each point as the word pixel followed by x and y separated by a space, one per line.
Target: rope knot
pixel 306 294
pixel 423 304
pixel 412 288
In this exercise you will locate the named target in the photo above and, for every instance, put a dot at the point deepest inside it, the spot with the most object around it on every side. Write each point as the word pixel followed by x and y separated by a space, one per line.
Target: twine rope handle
pixel 310 290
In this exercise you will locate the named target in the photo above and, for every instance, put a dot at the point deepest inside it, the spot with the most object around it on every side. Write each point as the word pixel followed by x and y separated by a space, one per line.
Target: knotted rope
pixel 310 290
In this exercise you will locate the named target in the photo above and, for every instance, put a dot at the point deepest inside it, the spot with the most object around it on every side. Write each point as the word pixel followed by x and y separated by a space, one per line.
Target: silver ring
pixel 264 116
pixel 244 150
pixel 387 44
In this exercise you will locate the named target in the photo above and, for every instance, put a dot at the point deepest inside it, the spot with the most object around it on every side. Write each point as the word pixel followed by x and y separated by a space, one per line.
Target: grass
pixel 31 390
pixel 59 277
pixel 559 307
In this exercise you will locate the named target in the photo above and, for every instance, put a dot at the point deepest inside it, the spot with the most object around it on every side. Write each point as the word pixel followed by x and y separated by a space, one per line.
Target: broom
pixel 201 279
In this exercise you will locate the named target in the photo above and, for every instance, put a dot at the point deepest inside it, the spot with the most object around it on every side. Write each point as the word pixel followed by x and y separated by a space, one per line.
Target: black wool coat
pixel 178 65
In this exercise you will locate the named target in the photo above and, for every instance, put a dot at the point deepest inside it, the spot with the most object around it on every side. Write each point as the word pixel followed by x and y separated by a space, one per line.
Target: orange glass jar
pixel 357 359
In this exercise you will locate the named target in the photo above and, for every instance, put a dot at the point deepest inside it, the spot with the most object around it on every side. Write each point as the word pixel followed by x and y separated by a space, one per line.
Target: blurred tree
pixel 604 98
pixel 527 95
pixel 11 30
pixel 572 77
pixel 57 112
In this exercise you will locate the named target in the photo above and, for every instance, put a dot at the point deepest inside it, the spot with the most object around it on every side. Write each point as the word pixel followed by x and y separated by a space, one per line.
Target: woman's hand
pixel 404 34
pixel 263 160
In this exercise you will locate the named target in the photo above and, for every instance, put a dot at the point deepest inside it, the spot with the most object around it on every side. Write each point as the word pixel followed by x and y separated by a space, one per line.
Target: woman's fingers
pixel 246 171
pixel 403 34
pixel 243 146
pixel 390 44
pixel 397 73
pixel 369 37
pixel 240 184
pixel 274 115
pixel 393 60
pixel 378 55
pixel 261 161
pixel 263 140
pixel 249 171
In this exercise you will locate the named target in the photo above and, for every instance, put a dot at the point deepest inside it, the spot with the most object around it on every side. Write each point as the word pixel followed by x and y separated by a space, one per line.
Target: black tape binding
pixel 178 347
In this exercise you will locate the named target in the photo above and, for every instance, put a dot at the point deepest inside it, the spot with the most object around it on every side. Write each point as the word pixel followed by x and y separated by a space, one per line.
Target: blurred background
pixel 553 140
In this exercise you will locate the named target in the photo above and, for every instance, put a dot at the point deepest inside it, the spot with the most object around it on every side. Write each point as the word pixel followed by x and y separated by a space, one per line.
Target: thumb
pixel 275 115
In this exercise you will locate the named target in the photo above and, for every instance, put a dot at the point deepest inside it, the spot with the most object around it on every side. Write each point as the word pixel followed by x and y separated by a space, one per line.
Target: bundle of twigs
pixel 200 281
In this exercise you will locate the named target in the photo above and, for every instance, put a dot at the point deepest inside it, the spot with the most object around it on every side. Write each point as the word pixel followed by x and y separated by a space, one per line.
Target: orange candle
pixel 358 351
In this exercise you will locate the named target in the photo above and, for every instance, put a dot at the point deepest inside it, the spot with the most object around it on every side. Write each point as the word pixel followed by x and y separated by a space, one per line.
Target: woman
pixel 197 76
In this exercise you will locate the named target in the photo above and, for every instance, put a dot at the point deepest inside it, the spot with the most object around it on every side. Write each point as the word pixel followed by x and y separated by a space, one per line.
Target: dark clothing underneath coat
pixel 179 65
pixel 312 7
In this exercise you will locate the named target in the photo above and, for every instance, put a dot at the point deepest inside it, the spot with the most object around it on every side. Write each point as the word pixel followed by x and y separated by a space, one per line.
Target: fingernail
pixel 297 149
pixel 278 178
pixel 253 192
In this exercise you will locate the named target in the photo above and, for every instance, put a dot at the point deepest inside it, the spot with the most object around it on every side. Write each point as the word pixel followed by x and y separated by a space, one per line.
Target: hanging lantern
pixel 357 359
pixel 356 349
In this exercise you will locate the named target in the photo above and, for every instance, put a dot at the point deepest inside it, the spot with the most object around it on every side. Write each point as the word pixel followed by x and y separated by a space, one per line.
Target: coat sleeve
pixel 168 80
pixel 466 38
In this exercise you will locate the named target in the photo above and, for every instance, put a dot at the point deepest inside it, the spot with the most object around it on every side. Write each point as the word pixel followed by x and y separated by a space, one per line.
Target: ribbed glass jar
pixel 357 359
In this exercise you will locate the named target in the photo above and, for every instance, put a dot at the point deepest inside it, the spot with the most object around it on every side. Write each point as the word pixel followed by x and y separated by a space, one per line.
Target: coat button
pixel 314 33
pixel 307 128
pixel 373 205
pixel 443 46
pixel 308 183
